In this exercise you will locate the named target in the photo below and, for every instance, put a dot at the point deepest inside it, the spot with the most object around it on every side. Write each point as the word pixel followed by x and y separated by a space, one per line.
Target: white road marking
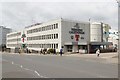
pixel 21 66
pixel 37 73
pixel 98 75
pixel 12 62
pixel 29 70
pixel 40 75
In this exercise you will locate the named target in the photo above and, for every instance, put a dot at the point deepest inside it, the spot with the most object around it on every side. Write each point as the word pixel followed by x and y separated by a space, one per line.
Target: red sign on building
pixel 77 37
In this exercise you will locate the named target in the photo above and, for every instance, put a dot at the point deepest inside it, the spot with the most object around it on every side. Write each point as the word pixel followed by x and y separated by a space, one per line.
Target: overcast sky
pixel 17 15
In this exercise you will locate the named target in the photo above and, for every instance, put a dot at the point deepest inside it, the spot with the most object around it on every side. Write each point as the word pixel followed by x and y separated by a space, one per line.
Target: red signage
pixel 77 37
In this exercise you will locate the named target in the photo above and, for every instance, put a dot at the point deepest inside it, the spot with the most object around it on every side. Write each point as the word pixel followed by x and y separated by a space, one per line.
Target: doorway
pixel 69 48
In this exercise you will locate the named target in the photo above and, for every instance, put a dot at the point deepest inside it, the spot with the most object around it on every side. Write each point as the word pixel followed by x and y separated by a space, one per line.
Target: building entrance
pixel 69 48
pixel 76 48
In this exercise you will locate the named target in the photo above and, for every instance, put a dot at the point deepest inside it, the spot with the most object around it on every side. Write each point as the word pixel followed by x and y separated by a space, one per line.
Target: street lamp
pixel 89 37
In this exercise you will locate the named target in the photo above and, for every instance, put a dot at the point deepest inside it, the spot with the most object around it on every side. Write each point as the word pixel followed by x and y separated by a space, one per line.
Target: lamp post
pixel 88 45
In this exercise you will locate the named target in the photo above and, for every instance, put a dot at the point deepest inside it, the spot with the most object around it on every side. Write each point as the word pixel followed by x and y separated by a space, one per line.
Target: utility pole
pixel 17 39
pixel 88 43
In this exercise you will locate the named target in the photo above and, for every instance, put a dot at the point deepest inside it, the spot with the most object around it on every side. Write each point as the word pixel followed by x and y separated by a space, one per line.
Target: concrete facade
pixel 113 37
pixel 3 32
pixel 69 34
pixel 99 32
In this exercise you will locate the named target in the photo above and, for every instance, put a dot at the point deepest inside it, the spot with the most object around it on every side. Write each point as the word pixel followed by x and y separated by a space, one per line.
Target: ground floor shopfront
pixel 76 47
pixel 81 47
pixel 86 47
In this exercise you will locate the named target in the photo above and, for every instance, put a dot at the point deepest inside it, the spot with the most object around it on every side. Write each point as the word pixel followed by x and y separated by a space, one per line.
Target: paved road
pixel 33 66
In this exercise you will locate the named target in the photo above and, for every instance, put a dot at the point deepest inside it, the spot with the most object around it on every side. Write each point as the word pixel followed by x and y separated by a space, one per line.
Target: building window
pixel 43 36
pixel 56 25
pixel 82 37
pixel 52 45
pixel 56 46
pixel 36 30
pixel 72 37
pixel 39 37
pixel 49 36
pixel 39 29
pixel 52 26
pixel 56 36
pixel 52 36
pixel 43 29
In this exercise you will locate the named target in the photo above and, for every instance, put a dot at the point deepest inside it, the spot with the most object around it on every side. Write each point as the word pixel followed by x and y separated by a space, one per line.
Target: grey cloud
pixel 23 14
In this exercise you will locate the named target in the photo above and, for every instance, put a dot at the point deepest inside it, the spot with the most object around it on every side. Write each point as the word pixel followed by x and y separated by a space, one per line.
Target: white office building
pixel 113 37
pixel 69 34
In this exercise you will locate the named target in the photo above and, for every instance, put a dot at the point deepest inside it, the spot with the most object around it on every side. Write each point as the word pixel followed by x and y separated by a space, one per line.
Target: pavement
pixel 106 57
pixel 109 57
pixel 54 66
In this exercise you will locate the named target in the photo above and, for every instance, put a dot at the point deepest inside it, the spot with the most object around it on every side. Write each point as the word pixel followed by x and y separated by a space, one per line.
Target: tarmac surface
pixel 55 66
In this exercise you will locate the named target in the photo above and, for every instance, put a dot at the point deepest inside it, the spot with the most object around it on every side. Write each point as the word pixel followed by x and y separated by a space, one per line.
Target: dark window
pixel 56 36
pixel 56 25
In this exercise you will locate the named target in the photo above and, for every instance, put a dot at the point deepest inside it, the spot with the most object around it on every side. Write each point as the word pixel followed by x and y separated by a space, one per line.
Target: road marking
pixel 37 73
pixel 29 70
pixel 40 75
pixel 25 68
pixel 12 62
pixel 21 66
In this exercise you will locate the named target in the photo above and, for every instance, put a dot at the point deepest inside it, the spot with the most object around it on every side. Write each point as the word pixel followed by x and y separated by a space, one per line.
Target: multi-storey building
pixel 3 32
pixel 113 37
pixel 69 34
pixel 99 32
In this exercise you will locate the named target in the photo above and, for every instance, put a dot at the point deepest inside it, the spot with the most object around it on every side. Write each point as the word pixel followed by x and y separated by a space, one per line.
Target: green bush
pixel 50 51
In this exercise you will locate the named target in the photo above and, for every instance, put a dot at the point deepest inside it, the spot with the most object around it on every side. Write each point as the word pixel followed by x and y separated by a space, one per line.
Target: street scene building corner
pixel 52 40
pixel 72 36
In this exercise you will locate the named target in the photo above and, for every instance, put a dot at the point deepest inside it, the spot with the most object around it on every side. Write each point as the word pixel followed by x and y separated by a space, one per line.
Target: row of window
pixel 45 28
pixel 14 40
pixel 42 37
pixel 55 45
pixel 14 45
pixel 43 45
pixel 16 34
pixel 49 36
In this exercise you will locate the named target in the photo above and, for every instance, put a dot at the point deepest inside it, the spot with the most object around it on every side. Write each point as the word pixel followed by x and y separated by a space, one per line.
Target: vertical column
pixel 88 46
pixel 75 48
pixel 88 42
pixel 101 32
pixel 65 48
